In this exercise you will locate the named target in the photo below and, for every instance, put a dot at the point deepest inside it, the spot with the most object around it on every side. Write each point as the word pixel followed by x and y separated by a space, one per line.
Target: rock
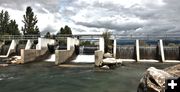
pixel 107 55
pixel 105 67
pixel 16 60
pixel 174 70
pixel 153 80
pixel 3 65
pixel 119 61
pixel 112 61
pixel 13 61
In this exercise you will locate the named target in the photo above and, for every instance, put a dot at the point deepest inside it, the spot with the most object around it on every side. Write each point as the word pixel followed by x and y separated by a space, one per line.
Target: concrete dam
pixel 136 50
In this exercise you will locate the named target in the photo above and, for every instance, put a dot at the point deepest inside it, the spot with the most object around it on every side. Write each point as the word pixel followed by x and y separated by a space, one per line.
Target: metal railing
pixel 148 36
pixel 18 37
pixel 91 36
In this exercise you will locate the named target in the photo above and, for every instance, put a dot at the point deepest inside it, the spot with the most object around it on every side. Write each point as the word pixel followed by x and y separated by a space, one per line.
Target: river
pixel 46 77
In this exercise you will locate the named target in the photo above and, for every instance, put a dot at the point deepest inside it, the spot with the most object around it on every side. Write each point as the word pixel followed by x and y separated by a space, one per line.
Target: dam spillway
pixel 86 55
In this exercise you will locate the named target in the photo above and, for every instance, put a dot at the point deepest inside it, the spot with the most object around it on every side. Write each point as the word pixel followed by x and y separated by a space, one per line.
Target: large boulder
pixel 112 61
pixel 174 70
pixel 107 55
pixel 153 79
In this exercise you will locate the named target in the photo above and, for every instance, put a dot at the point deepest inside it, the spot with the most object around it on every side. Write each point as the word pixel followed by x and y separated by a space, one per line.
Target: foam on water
pixel 51 58
pixel 84 59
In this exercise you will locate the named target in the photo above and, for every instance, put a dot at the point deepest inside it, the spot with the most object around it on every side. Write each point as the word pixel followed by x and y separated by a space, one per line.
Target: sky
pixel 94 16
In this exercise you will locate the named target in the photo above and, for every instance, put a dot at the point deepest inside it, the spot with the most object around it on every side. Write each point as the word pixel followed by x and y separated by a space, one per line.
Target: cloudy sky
pixel 118 16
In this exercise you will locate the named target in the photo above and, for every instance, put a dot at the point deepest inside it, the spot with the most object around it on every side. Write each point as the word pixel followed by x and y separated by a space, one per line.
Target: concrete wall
pixel 28 54
pixel 101 44
pixel 62 56
pixel 137 50
pixel 43 42
pixel 171 53
pixel 71 42
pixel 31 54
pixel 114 48
pixel 11 48
pixel 98 57
pixel 28 44
pixel 149 52
pixel 126 52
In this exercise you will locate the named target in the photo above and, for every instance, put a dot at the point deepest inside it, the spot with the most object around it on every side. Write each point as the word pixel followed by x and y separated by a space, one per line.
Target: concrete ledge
pixel 148 60
pixel 31 54
pixel 128 60
pixel 172 61
pixel 98 57
pixel 62 56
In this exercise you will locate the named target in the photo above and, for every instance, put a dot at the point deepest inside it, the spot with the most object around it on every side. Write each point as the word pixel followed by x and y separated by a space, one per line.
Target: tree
pixel 13 28
pixel 30 21
pixel 107 41
pixel 65 30
pixel 4 21
pixel 7 26
pixel 47 35
pixel 1 21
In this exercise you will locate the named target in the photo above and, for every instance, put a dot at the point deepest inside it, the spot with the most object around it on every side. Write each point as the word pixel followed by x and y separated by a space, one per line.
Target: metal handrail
pixel 18 37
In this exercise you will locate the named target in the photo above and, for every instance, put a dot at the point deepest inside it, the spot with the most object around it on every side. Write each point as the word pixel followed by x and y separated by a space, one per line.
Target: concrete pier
pixel 137 51
pixel 161 50
pixel 61 56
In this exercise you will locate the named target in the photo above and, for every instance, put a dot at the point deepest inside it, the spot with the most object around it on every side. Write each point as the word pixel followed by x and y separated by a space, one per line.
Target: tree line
pixel 10 27
pixel 7 25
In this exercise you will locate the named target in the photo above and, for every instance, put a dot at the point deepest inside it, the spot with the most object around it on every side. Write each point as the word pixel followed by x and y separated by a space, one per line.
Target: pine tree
pixel 5 22
pixel 48 35
pixel 1 21
pixel 62 31
pixel 13 28
pixel 7 26
pixel 30 21
pixel 67 30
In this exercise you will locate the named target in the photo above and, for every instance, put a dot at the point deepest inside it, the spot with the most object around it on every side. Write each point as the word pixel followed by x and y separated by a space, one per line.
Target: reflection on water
pixel 46 77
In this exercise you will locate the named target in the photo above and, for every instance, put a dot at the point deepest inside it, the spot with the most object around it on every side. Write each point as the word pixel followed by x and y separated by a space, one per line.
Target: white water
pixel 84 59
pixel 51 58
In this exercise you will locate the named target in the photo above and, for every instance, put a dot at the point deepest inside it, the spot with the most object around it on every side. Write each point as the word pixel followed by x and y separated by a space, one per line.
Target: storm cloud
pixel 120 16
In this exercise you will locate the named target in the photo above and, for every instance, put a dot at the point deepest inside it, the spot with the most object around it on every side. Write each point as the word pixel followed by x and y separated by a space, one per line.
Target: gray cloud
pixel 48 29
pixel 112 26
pixel 142 17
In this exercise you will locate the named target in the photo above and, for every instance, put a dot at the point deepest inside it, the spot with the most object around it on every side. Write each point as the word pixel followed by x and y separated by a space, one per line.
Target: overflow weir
pixel 23 49
pixel 136 49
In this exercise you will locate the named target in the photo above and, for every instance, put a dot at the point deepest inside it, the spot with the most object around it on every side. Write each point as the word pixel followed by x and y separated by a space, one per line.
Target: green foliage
pixel 7 26
pixel 107 41
pixel 87 43
pixel 13 28
pixel 47 35
pixel 65 30
pixel 30 21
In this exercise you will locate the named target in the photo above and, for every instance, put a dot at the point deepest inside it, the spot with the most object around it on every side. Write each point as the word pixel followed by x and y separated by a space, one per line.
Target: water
pixel 84 59
pixel 51 58
pixel 46 77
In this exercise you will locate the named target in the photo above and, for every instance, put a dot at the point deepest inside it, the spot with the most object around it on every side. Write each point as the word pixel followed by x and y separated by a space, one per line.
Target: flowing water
pixel 84 59
pixel 46 77
pixel 51 58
